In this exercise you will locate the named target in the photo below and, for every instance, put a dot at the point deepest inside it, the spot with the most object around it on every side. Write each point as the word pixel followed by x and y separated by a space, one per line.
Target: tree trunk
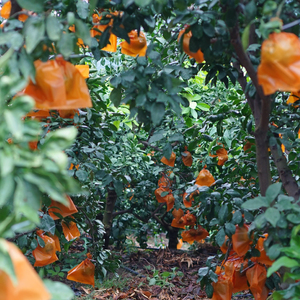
pixel 173 238
pixel 288 181
pixel 108 213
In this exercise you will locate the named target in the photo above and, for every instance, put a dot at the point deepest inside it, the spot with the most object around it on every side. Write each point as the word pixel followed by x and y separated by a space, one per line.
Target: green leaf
pixel 81 175
pixel 41 242
pixel 223 214
pixel 82 31
pixel 229 229
pixel 53 28
pixel 118 185
pixel 13 123
pixel 272 191
pixel 209 290
pixel 34 32
pixel 282 262
pixel 156 137
pixel 245 37
pixel 58 290
pixel 82 9
pixel 7 185
pixel 142 3
pixel 203 106
pixel 157 112
pixel 32 5
pixel 255 203
pixel 66 44
pixel 272 215
pixel 293 218
pixel 177 137
pixel 220 237
pixel 116 96
pixel 47 224
pixel 237 217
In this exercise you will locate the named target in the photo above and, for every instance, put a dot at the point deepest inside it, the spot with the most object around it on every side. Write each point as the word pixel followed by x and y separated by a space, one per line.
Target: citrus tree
pixel 244 131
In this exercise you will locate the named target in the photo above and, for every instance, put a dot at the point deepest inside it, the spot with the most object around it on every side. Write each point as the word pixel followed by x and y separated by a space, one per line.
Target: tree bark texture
pixel 260 106
pixel 173 238
pixel 288 181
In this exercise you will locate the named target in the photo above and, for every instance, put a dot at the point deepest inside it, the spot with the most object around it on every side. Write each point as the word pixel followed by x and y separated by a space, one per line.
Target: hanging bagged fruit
pixel 44 255
pixel 178 221
pixel 56 241
pixel 240 240
pixel 222 156
pixel 70 230
pixel 57 210
pixel 205 178
pixel 97 30
pixel 198 56
pixel 84 70
pixel 28 286
pixel 263 258
pixel 164 181
pixel 188 199
pixel 169 162
pixel 170 200
pixel 6 9
pixel 187 158
pixel 257 276
pixel 137 45
pixel 84 272
pixel 189 219
pixel 194 235
pixel 161 194
pixel 279 69
pixel 59 85
pixel 294 97
pixel 223 287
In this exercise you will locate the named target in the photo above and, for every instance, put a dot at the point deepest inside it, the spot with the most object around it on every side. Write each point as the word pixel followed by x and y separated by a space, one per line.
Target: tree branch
pixel 286 176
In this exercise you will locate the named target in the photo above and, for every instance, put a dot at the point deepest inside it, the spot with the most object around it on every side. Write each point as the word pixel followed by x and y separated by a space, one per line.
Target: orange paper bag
pixel 58 208
pixel 29 285
pixel 84 272
pixel 46 255
pixel 137 46
pixel 169 162
pixel 279 69
pixel 59 85
pixel 70 230
pixel 205 178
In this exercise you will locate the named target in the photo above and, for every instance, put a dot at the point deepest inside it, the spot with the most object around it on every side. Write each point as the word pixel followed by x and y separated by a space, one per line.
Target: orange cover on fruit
pixel 240 240
pixel 59 208
pixel 169 162
pixel 46 255
pixel 59 85
pixel 137 46
pixel 84 272
pixel 205 178
pixel 279 69
pixel 29 285
pixel 70 230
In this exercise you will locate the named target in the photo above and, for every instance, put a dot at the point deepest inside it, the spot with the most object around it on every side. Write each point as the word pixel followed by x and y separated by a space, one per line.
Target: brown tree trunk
pixel 173 238
pixel 288 181
pixel 108 213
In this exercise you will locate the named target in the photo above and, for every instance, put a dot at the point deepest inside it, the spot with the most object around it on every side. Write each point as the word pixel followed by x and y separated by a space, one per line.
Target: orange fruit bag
pixel 198 56
pixel 46 255
pixel 169 162
pixel 29 285
pixel 257 276
pixel 222 156
pixel 58 208
pixel 187 158
pixel 70 230
pixel 84 272
pixel 240 240
pixel 279 68
pixel 137 46
pixel 59 85
pixel 205 178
